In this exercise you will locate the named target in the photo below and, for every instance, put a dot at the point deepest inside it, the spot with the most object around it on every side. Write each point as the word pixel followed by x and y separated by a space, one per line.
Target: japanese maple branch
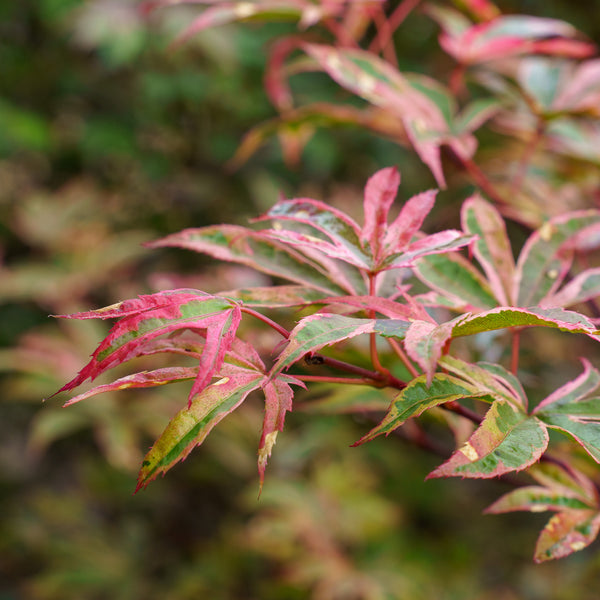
pixel 380 378
pixel 383 379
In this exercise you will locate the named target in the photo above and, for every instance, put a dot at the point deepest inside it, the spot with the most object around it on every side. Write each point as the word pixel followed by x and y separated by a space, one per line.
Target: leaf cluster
pixel 386 280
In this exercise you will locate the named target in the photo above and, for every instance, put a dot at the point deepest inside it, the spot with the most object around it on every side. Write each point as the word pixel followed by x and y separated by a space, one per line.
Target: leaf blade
pixel 191 425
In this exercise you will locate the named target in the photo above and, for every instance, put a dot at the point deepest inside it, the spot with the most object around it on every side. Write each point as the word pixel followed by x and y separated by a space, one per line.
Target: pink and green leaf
pixel 278 401
pixel 425 340
pixel 317 331
pixel 507 440
pixel 491 379
pixel 511 35
pixel 409 221
pixel 547 255
pixel 254 249
pixel 582 422
pixel 474 115
pixel 567 532
pixel 220 334
pixel 450 274
pixel 143 379
pixel 537 499
pixel 492 247
pixel 277 296
pixel 563 477
pixel 378 82
pixel 218 316
pixel 342 234
pixel 419 396
pixel 222 13
pixel 583 287
pixel 572 392
pixel 190 426
pixel 436 243
pixel 383 306
pixel 380 192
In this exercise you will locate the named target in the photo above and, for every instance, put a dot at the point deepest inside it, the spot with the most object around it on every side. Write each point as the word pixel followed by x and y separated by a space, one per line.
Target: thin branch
pixel 344 380
pixel 384 379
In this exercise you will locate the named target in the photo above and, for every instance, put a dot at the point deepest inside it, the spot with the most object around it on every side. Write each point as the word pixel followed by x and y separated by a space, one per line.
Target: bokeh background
pixel 108 139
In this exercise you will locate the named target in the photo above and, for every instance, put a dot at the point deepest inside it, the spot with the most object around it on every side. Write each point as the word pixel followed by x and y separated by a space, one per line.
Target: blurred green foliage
pixel 109 139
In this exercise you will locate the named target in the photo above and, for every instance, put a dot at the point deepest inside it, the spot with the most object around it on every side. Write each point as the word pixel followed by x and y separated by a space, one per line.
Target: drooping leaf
pixel 564 490
pixel 492 247
pixel 150 318
pixel 567 532
pixel 581 421
pixel 278 401
pixel 417 397
pixel 190 426
pixel 547 255
pixel 507 440
pixel 252 248
pixel 378 82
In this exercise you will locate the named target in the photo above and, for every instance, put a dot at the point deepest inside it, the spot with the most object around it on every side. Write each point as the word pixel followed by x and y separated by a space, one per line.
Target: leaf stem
pixel 514 359
pixel 384 379
pixel 463 411
pixel 402 356
pixel 346 380
pixel 281 330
